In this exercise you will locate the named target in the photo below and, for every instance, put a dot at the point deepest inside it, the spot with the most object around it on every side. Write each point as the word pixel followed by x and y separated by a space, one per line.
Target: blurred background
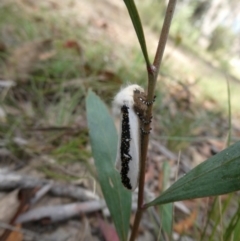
pixel 53 51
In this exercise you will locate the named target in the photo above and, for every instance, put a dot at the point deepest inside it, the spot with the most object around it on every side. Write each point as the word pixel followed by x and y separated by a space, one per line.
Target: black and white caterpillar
pixel 129 106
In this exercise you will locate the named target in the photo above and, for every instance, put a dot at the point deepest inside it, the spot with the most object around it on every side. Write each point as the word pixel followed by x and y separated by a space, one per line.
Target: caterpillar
pixel 128 106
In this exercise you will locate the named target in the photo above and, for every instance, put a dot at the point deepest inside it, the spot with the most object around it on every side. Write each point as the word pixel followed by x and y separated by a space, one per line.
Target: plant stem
pixel 152 79
pixel 229 113
pixel 164 34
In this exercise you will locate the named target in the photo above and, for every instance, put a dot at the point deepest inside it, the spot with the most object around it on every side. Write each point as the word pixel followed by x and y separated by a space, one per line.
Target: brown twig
pixel 10 181
pixel 152 79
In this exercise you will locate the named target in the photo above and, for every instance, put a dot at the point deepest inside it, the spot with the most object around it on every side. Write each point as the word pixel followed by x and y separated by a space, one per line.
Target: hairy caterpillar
pixel 129 107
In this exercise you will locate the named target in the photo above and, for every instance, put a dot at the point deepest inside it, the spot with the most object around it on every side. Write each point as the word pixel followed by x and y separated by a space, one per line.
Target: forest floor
pixel 51 53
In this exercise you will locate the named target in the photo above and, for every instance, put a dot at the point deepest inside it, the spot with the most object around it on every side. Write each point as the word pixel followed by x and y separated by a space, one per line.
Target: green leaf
pixel 233 228
pixel 138 27
pixel 166 211
pixel 103 138
pixel 218 175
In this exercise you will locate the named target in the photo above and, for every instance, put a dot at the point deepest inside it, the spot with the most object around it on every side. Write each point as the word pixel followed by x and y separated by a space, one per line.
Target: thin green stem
pixel 152 79
pixel 229 114
pixel 220 215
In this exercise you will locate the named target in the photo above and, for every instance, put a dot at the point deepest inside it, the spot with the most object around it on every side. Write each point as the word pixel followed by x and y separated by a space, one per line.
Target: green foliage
pixel 133 13
pixel 180 126
pixel 233 230
pixel 148 8
pixel 217 175
pixel 72 151
pixel 103 138
pixel 54 175
pixel 22 27
pixel 166 210
pixel 218 216
pixel 220 39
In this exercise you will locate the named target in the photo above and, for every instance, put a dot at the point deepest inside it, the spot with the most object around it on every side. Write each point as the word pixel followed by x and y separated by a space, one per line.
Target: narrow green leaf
pixel 166 211
pixel 229 113
pixel 218 175
pixel 138 27
pixel 103 138
pixel 233 227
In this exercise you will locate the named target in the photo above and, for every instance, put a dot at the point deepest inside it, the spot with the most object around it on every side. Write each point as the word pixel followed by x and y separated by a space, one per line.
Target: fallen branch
pixel 58 213
pixel 11 181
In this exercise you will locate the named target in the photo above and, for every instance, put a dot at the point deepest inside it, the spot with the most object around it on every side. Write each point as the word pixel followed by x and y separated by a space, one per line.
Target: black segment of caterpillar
pixel 125 147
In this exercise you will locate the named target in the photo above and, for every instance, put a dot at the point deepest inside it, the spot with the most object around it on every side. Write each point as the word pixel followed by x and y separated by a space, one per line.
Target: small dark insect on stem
pixel 152 79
